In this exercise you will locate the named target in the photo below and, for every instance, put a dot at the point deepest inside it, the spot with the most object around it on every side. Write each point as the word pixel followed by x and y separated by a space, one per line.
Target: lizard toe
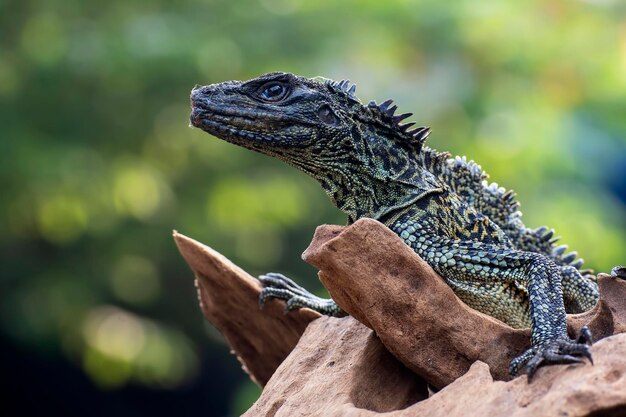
pixel 278 286
pixel 279 281
pixel 270 293
pixel 274 279
pixel 585 336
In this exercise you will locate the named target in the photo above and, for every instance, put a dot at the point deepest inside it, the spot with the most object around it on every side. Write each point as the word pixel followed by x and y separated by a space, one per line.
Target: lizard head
pixel 279 114
pixel 317 125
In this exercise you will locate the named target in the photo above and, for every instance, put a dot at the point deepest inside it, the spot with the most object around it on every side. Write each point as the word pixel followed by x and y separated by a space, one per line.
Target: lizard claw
pixel 278 286
pixel 273 280
pixel 585 336
pixel 552 353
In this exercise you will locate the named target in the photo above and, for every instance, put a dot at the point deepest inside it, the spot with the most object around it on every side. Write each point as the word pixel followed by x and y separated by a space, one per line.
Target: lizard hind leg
pixel 619 272
pixel 280 287
pixel 580 293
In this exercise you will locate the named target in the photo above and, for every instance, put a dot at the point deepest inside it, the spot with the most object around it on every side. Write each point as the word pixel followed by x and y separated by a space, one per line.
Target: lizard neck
pixel 363 181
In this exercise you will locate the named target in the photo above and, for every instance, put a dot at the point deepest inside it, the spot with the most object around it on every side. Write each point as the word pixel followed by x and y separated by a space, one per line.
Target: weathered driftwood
pixel 229 297
pixel 340 367
pixel 339 370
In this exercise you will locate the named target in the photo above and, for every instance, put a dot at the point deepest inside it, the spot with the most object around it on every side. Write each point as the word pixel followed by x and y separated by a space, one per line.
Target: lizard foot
pixel 280 287
pixel 561 351
pixel 619 272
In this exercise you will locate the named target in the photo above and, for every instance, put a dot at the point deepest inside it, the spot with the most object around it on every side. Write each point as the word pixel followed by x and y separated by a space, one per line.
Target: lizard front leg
pixel 280 287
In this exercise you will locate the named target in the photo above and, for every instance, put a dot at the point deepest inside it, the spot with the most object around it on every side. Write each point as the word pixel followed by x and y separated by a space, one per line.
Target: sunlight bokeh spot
pixel 121 347
pixel 137 192
pixel 62 218
pixel 106 371
pixel 168 360
pixel 115 333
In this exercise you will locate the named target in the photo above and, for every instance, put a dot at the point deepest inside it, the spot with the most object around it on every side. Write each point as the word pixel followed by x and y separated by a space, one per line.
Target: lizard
pixel 372 164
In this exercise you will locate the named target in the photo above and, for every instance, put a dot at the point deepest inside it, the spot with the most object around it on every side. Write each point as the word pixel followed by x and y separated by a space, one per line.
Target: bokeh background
pixel 98 312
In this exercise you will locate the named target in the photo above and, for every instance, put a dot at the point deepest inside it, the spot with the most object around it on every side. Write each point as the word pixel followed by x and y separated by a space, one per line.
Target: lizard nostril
pixel 197 94
pixel 201 93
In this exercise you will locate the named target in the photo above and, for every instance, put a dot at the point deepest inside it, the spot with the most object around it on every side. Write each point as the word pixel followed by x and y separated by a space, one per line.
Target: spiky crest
pixel 343 87
pixel 384 113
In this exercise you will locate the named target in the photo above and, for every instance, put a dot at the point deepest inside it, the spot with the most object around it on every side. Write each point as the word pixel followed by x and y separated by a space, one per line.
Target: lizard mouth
pixel 230 127
pixel 196 116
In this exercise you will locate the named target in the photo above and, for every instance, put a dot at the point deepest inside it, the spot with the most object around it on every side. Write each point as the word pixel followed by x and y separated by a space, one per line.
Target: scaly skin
pixel 370 165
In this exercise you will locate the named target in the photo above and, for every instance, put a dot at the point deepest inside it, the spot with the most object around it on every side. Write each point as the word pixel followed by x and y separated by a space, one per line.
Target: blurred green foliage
pixel 98 163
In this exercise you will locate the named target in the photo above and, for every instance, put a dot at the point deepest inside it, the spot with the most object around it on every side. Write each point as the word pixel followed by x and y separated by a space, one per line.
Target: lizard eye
pixel 273 91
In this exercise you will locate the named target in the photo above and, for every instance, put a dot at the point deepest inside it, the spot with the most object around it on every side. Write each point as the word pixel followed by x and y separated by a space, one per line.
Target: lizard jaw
pixel 218 126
